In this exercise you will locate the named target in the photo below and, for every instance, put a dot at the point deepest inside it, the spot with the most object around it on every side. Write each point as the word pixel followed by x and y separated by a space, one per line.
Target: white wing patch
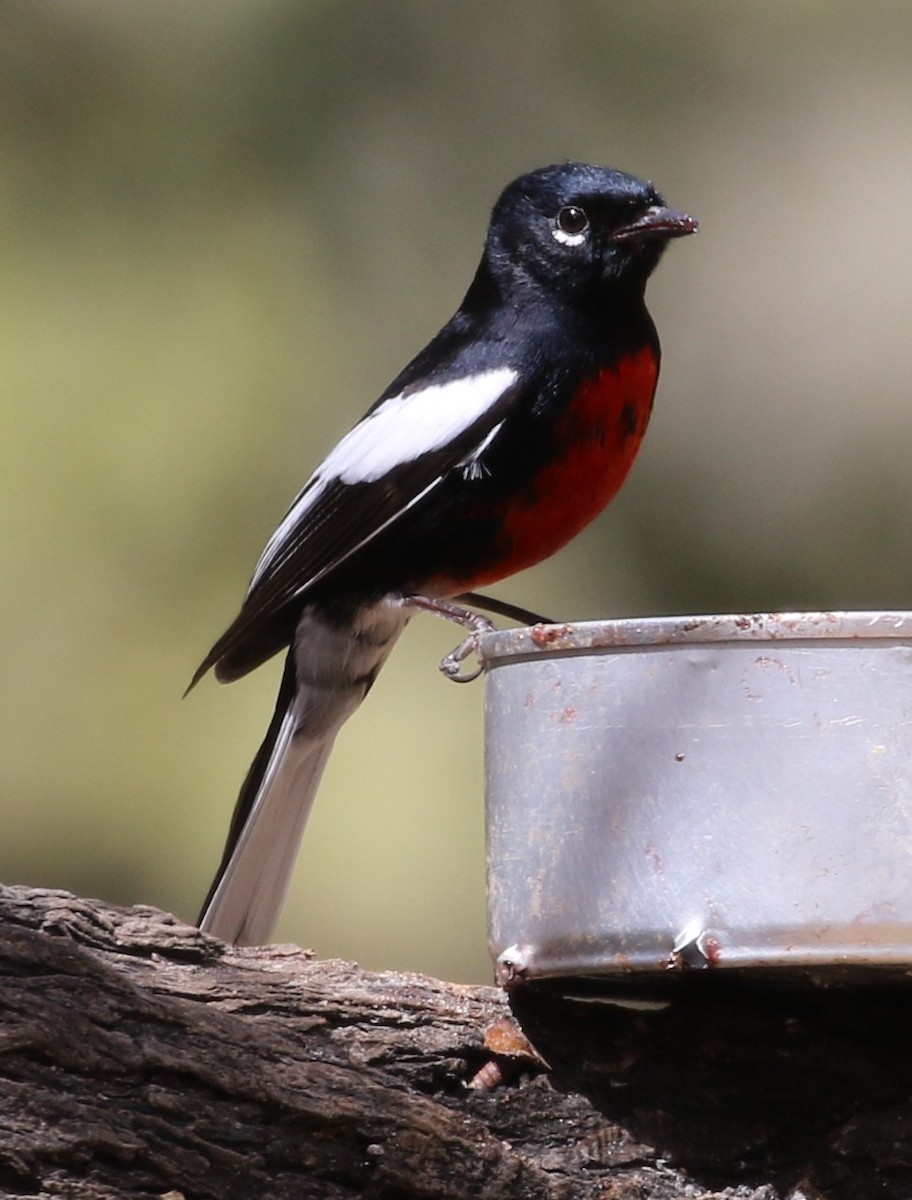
pixel 402 429
pixel 405 427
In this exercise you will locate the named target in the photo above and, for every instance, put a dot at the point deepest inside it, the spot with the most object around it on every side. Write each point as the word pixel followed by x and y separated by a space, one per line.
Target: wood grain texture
pixel 140 1058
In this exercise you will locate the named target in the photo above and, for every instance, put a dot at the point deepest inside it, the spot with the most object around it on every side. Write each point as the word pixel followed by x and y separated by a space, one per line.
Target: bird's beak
pixel 655 223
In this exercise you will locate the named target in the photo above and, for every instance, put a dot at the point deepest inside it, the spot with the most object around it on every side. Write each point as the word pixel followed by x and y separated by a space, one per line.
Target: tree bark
pixel 141 1058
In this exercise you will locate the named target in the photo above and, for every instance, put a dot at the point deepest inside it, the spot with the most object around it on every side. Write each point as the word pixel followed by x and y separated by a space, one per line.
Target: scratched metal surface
pixel 729 791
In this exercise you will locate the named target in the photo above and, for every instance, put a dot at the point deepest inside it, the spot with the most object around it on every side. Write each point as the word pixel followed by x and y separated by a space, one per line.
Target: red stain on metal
pixel 655 859
pixel 713 951
pixel 694 950
pixel 568 716
pixel 765 661
pixel 546 635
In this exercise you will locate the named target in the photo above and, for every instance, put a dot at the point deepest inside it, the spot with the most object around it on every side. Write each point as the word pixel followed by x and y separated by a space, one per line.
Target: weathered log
pixel 141 1058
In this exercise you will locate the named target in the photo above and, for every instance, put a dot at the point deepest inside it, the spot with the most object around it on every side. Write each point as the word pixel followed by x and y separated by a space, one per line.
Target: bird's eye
pixel 570 226
pixel 572 219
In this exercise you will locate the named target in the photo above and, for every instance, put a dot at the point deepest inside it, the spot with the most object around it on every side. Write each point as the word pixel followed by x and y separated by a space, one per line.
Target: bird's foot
pixel 451 665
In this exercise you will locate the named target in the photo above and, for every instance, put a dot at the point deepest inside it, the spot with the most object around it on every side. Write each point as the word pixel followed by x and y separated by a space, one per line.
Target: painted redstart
pixel 498 443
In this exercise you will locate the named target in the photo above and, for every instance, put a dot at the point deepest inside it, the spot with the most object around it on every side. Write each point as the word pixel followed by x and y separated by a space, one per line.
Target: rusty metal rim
pixel 628 632
pixel 749 954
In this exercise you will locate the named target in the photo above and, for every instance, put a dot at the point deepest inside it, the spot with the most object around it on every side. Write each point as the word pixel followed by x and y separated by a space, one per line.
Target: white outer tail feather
pixel 334 667
pixel 250 894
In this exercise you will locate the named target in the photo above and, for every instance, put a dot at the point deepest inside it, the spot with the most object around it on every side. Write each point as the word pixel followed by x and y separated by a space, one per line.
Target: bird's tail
pixel 328 672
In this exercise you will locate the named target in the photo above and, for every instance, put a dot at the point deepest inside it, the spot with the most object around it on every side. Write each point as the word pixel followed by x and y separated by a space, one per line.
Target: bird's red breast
pixel 595 441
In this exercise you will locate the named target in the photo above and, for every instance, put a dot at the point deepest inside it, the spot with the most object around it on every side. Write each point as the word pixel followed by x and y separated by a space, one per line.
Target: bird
pixel 505 436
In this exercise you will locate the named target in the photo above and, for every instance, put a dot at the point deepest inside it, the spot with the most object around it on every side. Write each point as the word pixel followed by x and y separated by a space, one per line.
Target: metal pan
pixel 727 791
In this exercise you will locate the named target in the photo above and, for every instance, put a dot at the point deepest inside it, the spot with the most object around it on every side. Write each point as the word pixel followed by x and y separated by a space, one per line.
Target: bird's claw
pixel 451 665
pixel 477 623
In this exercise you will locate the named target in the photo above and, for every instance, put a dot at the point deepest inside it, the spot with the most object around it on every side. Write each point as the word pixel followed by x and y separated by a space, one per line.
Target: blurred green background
pixel 225 225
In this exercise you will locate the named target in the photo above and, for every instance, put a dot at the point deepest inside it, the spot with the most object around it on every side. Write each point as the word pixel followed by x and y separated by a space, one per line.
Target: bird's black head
pixel 577 230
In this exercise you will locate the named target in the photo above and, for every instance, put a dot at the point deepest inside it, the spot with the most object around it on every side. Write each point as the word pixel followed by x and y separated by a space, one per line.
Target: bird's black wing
pixel 393 458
